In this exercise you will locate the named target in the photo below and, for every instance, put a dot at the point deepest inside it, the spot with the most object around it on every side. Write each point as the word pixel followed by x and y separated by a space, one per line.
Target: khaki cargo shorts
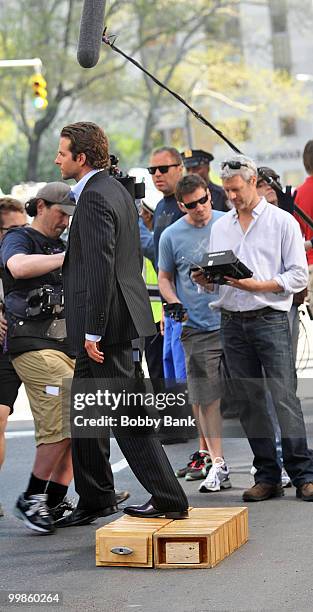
pixel 42 373
pixel 203 352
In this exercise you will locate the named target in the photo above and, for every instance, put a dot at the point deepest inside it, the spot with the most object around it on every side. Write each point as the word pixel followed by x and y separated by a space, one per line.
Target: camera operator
pixel 32 258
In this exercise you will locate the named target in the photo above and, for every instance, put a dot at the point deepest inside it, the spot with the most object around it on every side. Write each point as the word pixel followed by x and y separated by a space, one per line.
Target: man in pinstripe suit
pixel 107 306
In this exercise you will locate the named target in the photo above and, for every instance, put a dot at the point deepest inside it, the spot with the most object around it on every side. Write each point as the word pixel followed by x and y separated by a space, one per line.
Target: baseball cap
pixel 57 193
pixel 146 206
pixel 269 172
pixel 196 157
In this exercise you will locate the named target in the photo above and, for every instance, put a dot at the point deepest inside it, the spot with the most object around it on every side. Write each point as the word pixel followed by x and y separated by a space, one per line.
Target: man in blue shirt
pixel 183 243
pixel 166 168
pixel 197 161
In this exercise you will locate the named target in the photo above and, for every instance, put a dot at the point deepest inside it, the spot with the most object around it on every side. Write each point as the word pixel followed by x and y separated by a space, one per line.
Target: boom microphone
pixel 90 33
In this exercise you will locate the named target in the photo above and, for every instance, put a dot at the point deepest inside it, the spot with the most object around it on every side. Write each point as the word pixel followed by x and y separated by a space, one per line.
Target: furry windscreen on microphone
pixel 90 33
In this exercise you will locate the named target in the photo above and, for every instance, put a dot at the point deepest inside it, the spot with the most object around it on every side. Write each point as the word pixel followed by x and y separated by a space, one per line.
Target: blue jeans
pixel 293 319
pixel 173 352
pixel 250 345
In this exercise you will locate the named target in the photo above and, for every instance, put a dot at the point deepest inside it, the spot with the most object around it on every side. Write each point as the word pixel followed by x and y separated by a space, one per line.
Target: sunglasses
pixel 233 165
pixel 194 204
pixel 162 169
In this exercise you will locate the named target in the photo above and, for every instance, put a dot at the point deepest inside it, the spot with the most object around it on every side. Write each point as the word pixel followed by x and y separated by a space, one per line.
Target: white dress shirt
pixel 273 249
pixel 78 188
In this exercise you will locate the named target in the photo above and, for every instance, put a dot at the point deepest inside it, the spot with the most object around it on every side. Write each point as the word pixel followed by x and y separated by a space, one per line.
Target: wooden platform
pixel 134 534
pixel 201 541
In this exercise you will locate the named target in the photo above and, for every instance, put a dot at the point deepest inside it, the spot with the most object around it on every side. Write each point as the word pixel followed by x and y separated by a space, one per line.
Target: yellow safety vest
pixel 151 281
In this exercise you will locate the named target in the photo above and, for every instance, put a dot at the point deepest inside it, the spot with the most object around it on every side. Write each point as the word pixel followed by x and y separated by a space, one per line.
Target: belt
pixel 249 314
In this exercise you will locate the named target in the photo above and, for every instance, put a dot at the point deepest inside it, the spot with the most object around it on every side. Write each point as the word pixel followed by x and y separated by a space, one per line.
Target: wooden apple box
pixel 127 542
pixel 201 541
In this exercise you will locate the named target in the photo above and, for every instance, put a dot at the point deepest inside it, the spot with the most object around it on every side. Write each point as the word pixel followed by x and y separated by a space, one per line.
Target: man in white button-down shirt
pixel 255 330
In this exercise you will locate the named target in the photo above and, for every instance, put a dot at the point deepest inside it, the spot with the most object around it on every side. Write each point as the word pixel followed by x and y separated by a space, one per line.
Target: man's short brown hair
pixel 308 157
pixel 174 153
pixel 89 138
pixel 189 184
pixel 8 204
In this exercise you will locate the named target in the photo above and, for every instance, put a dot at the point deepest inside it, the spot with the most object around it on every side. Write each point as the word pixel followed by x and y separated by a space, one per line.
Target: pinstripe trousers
pixel 145 455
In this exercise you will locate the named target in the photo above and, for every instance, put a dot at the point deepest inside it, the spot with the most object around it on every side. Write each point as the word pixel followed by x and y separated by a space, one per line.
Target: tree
pixel 49 31
pixel 182 42
pixel 166 38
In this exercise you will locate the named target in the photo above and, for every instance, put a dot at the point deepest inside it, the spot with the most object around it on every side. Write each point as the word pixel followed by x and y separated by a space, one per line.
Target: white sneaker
pixel 285 479
pixel 217 478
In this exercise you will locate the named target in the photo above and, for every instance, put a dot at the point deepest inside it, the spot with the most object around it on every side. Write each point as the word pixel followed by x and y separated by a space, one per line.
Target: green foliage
pixel 126 148
pixel 13 165
pixel 47 169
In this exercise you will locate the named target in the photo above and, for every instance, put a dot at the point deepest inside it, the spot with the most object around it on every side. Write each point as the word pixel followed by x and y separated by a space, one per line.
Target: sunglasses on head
pixel 194 204
pixel 233 165
pixel 162 169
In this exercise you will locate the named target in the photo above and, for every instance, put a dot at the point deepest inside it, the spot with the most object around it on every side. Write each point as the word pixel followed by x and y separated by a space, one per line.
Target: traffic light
pixel 39 86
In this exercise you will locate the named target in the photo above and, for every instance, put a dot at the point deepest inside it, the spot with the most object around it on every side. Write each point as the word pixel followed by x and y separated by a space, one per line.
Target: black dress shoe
pixel 148 511
pixel 121 496
pixel 82 516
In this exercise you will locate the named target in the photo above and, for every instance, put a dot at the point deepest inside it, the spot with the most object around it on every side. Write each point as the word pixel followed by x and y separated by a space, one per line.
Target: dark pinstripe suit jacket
pixel 103 286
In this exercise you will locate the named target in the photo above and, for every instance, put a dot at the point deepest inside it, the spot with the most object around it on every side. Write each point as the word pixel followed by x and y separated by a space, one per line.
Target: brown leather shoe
pixel 262 491
pixel 305 491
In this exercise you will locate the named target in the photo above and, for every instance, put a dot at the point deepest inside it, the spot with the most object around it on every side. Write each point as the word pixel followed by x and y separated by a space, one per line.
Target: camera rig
pixel 175 311
pixel 44 301
pixel 136 190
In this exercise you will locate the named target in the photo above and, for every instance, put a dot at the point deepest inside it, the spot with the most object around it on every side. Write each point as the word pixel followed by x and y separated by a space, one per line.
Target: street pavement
pixel 272 572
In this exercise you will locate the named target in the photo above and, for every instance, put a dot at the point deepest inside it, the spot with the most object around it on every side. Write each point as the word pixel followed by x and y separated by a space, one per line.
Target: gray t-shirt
pixel 180 244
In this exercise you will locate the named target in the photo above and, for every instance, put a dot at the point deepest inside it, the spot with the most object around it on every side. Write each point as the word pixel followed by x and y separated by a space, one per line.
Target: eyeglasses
pixel 233 165
pixel 194 204
pixel 6 229
pixel 162 169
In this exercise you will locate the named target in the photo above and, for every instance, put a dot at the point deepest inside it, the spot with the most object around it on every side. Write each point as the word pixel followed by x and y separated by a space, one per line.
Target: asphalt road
pixel 272 572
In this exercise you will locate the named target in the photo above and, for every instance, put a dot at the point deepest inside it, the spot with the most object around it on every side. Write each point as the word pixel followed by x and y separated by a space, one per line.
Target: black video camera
pixel 175 311
pixel 136 190
pixel 215 266
pixel 44 301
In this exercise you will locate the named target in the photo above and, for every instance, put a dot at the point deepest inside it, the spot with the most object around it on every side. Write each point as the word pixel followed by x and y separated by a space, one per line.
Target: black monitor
pixel 215 266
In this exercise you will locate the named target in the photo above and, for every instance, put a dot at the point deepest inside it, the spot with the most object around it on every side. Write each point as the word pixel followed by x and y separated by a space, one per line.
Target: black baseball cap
pixel 268 172
pixel 196 157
